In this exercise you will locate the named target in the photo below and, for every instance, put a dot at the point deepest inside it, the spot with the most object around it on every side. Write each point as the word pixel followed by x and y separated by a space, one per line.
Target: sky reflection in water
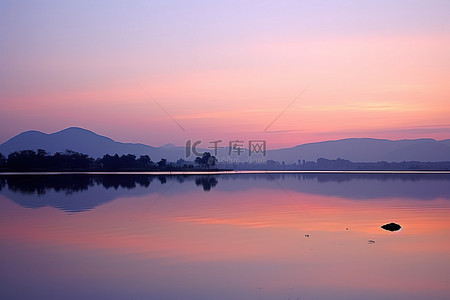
pixel 267 236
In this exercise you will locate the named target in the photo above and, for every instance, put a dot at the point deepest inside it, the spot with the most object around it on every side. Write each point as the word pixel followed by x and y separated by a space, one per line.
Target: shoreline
pixel 232 172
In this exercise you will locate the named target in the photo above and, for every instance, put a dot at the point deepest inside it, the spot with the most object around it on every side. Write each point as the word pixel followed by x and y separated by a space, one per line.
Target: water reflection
pixel 84 192
pixel 225 237
pixel 207 182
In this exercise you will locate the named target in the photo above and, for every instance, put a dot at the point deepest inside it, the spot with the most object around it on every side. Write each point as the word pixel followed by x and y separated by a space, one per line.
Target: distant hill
pixel 85 141
pixel 367 150
pixel 355 149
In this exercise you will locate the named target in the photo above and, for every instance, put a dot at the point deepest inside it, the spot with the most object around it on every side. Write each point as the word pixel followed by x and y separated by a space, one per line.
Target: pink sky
pixel 227 71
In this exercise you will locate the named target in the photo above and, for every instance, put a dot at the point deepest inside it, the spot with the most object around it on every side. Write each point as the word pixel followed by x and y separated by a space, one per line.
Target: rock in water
pixel 391 227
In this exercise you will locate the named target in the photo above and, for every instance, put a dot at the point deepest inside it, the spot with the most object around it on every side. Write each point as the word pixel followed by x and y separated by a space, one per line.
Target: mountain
pixel 85 141
pixel 354 149
pixel 168 146
pixel 445 142
pixel 367 150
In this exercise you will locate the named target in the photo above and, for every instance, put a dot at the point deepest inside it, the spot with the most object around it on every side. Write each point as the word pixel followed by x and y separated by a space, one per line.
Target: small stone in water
pixel 391 227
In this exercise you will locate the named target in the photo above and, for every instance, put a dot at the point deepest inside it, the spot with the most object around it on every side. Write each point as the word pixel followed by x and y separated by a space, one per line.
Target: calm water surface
pixel 258 236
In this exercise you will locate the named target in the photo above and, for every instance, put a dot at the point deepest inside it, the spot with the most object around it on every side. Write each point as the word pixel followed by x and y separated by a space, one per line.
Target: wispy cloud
pixel 365 106
pixel 403 131
pixel 285 131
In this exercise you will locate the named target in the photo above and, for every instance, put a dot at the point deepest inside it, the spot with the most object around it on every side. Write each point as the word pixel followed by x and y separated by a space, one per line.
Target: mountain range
pixel 354 149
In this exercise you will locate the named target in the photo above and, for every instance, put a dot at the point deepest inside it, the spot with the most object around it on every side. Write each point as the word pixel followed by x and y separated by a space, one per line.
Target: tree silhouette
pixel 41 161
pixel 162 163
pixel 2 161
pixel 206 182
pixel 206 160
pixel 27 160
pixel 145 162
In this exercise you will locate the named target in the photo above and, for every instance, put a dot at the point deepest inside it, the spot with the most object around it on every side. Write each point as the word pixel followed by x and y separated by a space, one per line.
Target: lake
pixel 236 236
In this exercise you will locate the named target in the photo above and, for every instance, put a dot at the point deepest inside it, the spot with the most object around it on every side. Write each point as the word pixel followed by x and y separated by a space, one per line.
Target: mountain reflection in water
pixel 85 191
pixel 238 236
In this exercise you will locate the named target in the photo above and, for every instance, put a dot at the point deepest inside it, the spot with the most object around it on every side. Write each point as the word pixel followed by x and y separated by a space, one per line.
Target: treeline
pixel 323 164
pixel 40 160
pixel 40 185
pixel 342 164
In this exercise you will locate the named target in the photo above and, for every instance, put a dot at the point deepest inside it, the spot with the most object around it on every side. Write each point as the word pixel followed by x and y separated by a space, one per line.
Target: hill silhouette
pixel 354 149
pixel 367 150
pixel 84 141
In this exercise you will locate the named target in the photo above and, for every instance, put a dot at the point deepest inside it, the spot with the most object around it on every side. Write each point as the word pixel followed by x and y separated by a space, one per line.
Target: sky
pixel 288 72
